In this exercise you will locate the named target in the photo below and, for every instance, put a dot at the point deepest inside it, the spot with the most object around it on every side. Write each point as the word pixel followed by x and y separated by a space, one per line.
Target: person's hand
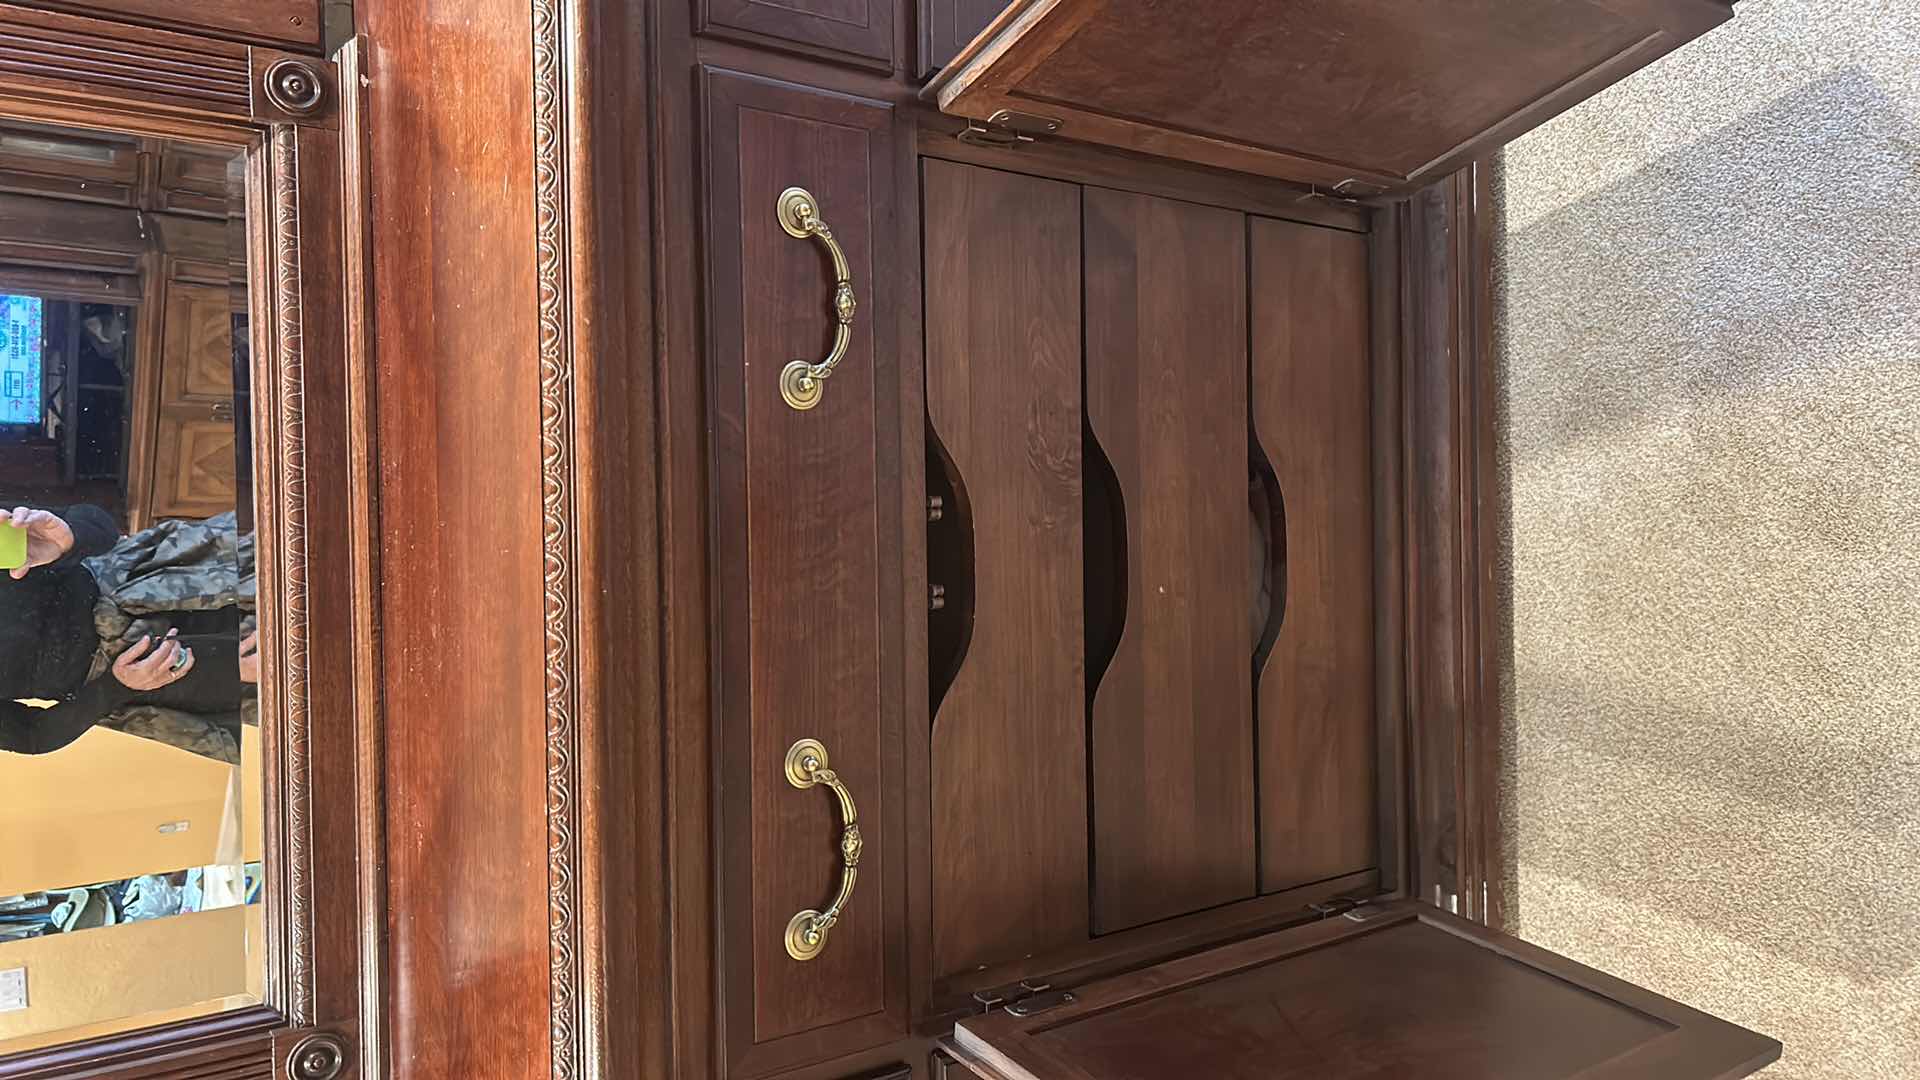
pixel 146 666
pixel 250 658
pixel 48 537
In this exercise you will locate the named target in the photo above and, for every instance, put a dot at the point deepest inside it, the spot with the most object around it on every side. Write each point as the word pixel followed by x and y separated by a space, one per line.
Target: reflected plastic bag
pixel 152 896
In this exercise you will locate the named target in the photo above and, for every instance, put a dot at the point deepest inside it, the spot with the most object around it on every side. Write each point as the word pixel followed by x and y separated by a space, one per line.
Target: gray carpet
pixel 1709 335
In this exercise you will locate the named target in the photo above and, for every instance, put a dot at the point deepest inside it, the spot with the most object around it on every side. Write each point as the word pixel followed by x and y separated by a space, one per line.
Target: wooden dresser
pixel 880 538
pixel 1086 406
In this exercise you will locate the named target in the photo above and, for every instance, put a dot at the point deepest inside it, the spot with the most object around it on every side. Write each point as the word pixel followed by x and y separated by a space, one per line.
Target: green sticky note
pixel 13 546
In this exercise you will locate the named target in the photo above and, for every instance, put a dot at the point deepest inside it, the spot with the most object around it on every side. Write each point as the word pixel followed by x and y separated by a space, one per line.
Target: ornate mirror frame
pixel 298 119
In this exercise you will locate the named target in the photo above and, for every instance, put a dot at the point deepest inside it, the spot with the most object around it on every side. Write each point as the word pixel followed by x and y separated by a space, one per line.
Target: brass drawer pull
pixel 807 767
pixel 799 214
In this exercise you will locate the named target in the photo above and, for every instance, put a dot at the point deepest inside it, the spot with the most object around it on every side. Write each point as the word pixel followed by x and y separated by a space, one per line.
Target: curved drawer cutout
pixel 949 571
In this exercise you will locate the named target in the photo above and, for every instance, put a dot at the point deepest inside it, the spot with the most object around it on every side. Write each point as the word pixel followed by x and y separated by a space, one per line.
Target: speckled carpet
pixel 1710 340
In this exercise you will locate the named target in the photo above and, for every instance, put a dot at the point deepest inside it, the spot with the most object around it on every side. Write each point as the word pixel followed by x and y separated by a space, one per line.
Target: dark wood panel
pixel 1453 520
pixel 1409 992
pixel 1003 393
pixel 1342 52
pixel 1166 399
pixel 809 631
pixel 1391 648
pixel 289 23
pixel 946 26
pixel 622 987
pixel 1378 94
pixel 1312 421
pixel 460 513
pixel 859 32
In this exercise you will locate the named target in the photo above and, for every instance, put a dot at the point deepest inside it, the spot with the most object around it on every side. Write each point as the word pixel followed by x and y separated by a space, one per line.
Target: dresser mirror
pixel 130 868
pixel 185 610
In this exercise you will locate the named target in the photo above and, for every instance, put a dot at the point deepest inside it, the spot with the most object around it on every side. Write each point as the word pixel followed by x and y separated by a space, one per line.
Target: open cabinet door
pixel 1367 96
pixel 1395 990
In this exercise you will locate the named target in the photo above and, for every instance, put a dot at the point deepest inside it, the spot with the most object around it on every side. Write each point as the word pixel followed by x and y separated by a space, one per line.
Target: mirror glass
pixel 130 764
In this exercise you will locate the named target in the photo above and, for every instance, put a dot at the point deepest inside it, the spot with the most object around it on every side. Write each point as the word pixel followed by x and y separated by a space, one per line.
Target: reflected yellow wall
pixel 92 811
pixel 147 971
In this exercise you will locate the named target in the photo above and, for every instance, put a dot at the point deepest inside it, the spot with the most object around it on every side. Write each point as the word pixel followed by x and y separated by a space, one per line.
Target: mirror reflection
pixel 129 664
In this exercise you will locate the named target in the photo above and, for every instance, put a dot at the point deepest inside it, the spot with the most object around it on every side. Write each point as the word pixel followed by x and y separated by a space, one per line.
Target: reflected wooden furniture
pixel 184 408
pixel 186 279
pixel 119 169
pixel 193 456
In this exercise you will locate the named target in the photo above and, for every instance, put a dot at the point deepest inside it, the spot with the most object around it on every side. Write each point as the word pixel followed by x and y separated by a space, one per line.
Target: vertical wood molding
pixel 1453 499
pixel 285 151
pixel 557 536
pixel 1481 398
pixel 370 812
pixel 582 87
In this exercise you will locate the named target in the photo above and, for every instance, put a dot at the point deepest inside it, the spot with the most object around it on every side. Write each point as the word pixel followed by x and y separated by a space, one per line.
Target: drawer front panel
pixel 1003 396
pixel 1166 402
pixel 1312 396
pixel 808 575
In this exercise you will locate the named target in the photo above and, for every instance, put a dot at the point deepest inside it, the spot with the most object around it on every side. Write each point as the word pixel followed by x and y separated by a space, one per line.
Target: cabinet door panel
pixel 858 32
pixel 195 470
pixel 1312 420
pixel 1003 395
pixel 808 577
pixel 195 473
pixel 1166 386
pixel 1376 95
pixel 197 344
pixel 1390 991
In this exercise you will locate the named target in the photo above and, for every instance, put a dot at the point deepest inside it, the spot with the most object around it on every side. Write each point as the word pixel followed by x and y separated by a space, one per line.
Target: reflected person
pixel 48 641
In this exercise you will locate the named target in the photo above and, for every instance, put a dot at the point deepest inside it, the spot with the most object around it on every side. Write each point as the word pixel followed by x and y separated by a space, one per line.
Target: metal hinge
pixel 1024 998
pixel 1039 1003
pixel 1008 128
pixel 999 997
pixel 1349 191
pixel 1346 906
pixel 1339 905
